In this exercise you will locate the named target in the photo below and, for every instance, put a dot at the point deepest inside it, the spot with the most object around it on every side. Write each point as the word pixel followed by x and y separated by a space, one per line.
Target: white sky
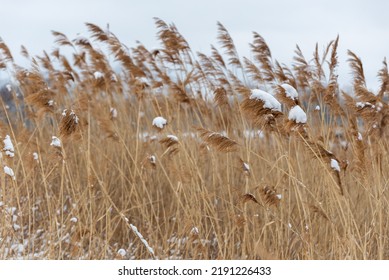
pixel 361 25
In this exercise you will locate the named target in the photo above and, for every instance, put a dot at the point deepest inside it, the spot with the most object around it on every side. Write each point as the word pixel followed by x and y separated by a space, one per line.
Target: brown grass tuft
pixel 69 124
pixel 270 196
pixel 249 197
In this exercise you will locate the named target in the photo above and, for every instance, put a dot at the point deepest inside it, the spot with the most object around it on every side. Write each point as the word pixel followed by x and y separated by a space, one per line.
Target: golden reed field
pixel 116 152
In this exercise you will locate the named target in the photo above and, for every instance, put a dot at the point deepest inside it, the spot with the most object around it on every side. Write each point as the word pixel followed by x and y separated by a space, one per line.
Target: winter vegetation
pixel 117 152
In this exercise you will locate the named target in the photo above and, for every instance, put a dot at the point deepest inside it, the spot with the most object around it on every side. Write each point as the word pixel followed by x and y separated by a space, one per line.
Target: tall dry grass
pixel 92 173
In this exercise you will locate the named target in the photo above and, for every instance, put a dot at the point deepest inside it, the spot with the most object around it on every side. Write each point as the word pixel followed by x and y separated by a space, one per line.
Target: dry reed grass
pixel 90 169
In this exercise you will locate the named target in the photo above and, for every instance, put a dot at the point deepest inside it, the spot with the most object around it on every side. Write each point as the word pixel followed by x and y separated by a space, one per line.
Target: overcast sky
pixel 361 25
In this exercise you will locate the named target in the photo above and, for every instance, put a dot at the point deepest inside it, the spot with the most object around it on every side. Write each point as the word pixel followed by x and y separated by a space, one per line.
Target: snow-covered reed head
pixel 262 108
pixel 288 95
pixel 297 121
pixel 55 142
pixel 149 162
pixel 9 172
pixel 113 113
pixel 8 147
pixel 159 122
pixel 169 140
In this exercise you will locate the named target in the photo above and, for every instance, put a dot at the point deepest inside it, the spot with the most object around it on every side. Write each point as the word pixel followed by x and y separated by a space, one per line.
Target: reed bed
pixel 117 152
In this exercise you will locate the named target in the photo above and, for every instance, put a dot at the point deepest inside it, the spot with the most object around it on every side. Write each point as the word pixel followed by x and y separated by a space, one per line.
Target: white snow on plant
pixel 253 133
pixel 114 78
pixel 195 231
pixel 379 106
pixel 297 115
pixel 98 75
pixel 359 136
pixel 152 159
pixel 55 142
pixel 11 210
pixel 290 91
pixel 114 113
pixel 8 86
pixel 317 108
pixel 178 241
pixel 143 80
pixel 246 166
pixel 17 249
pixel 75 117
pixel 8 147
pixel 173 138
pixel 269 101
pixel 364 104
pixel 122 252
pixel 74 220
pixel 9 172
pixel 16 228
pixel 335 165
pixel 35 156
pixel 50 102
pixel 159 122
pixel 279 196
pixel 144 241
pixel 360 104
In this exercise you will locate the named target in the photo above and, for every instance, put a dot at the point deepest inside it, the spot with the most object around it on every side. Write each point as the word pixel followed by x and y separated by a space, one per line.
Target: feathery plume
pixel 262 108
pixel 357 69
pixel 218 141
pixel 169 140
pixel 288 95
pixel 69 123
pixel 249 197
pixel 270 196
pixel 228 45
pixel 262 54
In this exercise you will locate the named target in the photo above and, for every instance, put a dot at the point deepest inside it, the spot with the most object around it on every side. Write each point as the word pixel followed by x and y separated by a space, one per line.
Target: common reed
pixel 211 156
